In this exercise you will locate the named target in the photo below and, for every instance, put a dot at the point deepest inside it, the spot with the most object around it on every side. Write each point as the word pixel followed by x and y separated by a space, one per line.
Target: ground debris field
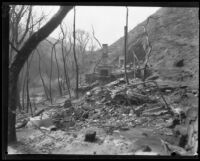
pixel 152 118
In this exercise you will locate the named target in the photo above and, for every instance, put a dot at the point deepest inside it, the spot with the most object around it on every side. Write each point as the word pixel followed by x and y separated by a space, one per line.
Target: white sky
pixel 108 22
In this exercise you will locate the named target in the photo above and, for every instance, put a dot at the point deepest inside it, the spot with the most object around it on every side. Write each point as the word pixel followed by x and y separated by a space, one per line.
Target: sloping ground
pixel 174 57
pixel 177 41
pixel 127 119
pixel 174 36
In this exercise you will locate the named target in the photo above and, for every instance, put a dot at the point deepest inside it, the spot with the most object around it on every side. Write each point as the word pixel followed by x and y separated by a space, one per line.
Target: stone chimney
pixel 105 48
pixel 105 55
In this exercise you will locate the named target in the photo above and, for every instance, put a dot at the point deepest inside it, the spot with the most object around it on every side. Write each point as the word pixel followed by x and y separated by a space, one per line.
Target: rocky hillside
pixel 174 36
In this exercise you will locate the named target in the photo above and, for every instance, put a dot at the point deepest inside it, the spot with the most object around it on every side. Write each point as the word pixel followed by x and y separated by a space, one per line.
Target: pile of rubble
pixel 118 106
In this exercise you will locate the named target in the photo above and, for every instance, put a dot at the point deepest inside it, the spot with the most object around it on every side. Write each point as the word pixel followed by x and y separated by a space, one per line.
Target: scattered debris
pixel 117 107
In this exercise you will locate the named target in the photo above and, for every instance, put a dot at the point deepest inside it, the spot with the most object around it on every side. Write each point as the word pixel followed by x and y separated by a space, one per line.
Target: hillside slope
pixel 174 36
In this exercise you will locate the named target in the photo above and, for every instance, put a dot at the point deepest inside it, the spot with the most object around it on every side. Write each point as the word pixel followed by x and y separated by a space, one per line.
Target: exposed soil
pixel 123 125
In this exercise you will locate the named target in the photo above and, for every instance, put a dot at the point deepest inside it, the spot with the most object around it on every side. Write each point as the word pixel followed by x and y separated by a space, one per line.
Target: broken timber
pixel 170 109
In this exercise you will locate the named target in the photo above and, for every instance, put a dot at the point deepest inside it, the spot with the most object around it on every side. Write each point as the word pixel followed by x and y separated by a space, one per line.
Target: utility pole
pixel 74 48
pixel 125 45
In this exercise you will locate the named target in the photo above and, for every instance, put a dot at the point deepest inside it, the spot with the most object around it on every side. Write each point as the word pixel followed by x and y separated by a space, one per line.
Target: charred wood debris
pixel 118 106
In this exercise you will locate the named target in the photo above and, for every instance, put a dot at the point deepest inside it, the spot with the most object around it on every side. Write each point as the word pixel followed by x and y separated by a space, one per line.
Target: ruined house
pixel 104 69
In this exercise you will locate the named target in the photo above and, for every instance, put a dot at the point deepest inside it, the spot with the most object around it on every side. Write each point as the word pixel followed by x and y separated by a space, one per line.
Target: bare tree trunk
pixel 148 44
pixel 47 89
pixel 75 59
pixel 59 84
pixel 21 58
pixel 66 75
pixel 68 79
pixel 51 77
pixel 27 89
pixel 27 85
pixel 23 91
pixel 43 83
pixel 65 71
pixel 18 98
pixel 99 46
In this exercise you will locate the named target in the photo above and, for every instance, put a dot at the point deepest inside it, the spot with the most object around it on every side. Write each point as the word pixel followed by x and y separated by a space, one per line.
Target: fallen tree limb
pixel 37 113
pixel 21 124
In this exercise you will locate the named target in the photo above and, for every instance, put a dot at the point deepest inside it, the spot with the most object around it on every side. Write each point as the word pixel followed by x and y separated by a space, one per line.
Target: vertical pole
pixel 125 45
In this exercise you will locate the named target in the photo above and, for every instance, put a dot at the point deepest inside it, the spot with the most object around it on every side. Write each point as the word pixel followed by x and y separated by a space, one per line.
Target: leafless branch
pixel 147 38
pixel 27 26
pixel 96 38
pixel 37 22
pixel 13 47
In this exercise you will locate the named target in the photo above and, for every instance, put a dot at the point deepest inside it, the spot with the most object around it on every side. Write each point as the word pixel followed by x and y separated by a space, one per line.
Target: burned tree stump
pixel 90 136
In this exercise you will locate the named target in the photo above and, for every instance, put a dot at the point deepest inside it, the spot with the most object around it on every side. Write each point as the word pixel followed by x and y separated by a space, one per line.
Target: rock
pixel 168 90
pixel 191 115
pixel 50 128
pixel 124 128
pixel 90 136
pixel 88 94
pixel 119 99
pixel 146 149
pixel 180 130
pixel 172 123
pixel 37 123
pixel 67 104
pixel 145 153
pixel 85 115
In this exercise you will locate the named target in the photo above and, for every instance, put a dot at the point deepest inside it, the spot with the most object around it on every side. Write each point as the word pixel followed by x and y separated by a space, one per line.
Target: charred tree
pixel 75 58
pixel 17 36
pixel 19 60
pixel 64 62
pixel 27 85
pixel 82 38
pixel 43 82
pixel 149 46
pixel 58 75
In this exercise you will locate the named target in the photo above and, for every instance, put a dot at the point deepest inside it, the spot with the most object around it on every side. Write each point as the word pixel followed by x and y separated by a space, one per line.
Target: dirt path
pixel 32 141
